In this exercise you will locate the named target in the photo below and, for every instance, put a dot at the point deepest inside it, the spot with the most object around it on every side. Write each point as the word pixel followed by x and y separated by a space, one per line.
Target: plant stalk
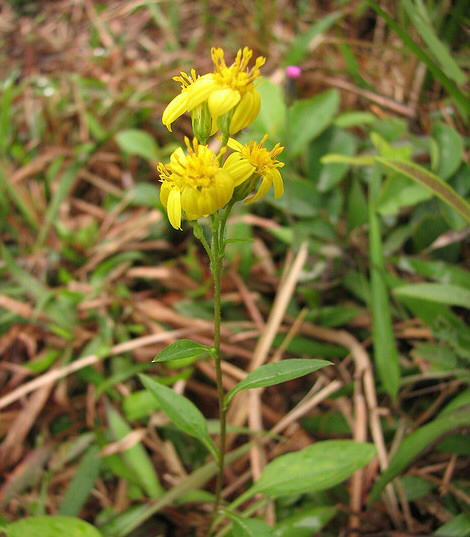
pixel 217 258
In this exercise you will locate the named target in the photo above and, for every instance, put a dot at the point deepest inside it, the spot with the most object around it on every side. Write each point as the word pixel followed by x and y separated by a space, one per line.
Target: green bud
pixel 242 191
pixel 224 123
pixel 202 122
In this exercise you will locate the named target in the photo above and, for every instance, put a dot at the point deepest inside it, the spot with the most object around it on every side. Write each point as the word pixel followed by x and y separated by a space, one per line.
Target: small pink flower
pixel 293 71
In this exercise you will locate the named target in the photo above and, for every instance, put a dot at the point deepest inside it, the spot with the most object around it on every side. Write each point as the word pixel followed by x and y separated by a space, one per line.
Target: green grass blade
pixel 66 183
pixel 124 524
pixel 136 457
pixel 444 59
pixel 82 483
pixel 419 174
pixel 17 199
pixel 453 90
pixel 416 443
pixel 385 352
pixel 28 283
pixel 452 295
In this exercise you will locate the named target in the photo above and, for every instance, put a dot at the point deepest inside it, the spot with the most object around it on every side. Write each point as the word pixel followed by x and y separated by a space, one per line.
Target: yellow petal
pixel 246 111
pixel 278 184
pixel 176 108
pixel 206 202
pixel 189 203
pixel 234 144
pixel 239 168
pixel 174 208
pixel 200 90
pixel 221 101
pixel 178 161
pixel 164 193
pixel 262 190
pixel 223 189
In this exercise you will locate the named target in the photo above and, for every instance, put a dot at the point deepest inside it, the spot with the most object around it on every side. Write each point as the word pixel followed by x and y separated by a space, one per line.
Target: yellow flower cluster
pixel 199 182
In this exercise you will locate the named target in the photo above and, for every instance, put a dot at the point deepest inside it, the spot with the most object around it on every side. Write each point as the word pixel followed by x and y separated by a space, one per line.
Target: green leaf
pixel 435 270
pixel 272 114
pixel 302 199
pixel 416 487
pixel 460 98
pixel 357 206
pixel 317 467
pixel 8 187
pixel 51 526
pixel 306 523
pixel 28 283
pixel 182 412
pixel 354 118
pixel 420 18
pixel 275 373
pixel 308 118
pixel 450 150
pixel 136 457
pixel 398 192
pixel 431 181
pixel 459 526
pixel 301 45
pixel 442 293
pixel 138 142
pixel 344 159
pixel 248 527
pixel 82 483
pixel 326 176
pixel 123 524
pixel 184 348
pixel 385 351
pixel 417 442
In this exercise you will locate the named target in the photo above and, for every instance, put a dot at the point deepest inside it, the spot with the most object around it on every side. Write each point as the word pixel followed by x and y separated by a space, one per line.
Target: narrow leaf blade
pixel 452 295
pixel 441 189
pixel 416 443
pixel 82 483
pixel 248 527
pixel 182 412
pixel 275 373
pixel 317 467
pixel 51 526
pixel 136 457
pixel 184 348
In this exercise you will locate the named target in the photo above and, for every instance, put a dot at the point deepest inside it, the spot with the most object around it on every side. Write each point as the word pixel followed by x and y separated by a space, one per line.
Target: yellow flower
pixel 194 183
pixel 261 163
pixel 226 89
pixel 179 105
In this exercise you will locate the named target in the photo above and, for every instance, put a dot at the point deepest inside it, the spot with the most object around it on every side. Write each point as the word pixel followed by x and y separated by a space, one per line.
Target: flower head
pixel 226 89
pixel 255 160
pixel 194 183
pixel 179 105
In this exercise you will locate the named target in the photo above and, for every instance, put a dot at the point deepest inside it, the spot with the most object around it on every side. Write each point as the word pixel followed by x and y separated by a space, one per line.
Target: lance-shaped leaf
pixel 275 373
pixel 184 348
pixel 452 295
pixel 417 442
pixel 184 414
pixel 51 526
pixel 248 527
pixel 429 180
pixel 317 467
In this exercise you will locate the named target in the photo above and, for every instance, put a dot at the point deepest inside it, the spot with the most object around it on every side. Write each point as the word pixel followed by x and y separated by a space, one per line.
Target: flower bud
pixel 202 122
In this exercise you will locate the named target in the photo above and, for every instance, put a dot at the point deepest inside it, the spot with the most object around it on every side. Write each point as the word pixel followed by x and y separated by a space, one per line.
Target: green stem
pixel 199 234
pixel 217 255
pixel 223 222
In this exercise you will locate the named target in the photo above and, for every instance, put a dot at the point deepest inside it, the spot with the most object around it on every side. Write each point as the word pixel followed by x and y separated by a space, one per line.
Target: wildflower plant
pixel 199 182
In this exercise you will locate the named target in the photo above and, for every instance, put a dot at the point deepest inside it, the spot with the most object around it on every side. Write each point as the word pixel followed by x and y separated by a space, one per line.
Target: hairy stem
pixel 217 257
